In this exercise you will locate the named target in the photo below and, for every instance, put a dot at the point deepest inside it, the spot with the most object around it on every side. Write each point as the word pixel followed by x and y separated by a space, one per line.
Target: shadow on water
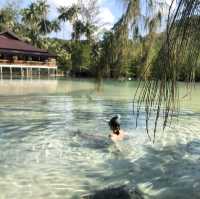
pixel 172 172
pixel 90 141
pixel 111 193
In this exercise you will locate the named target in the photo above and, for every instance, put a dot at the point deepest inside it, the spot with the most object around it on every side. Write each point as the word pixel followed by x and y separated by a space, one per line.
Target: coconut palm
pixel 69 13
pixel 55 25
pixel 89 30
pixel 36 22
pixel 44 26
pixel 29 14
pixel 7 18
pixel 81 17
pixel 31 21
pixel 78 30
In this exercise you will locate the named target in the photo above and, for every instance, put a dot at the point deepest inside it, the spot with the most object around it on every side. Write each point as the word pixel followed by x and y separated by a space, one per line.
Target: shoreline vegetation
pixel 93 51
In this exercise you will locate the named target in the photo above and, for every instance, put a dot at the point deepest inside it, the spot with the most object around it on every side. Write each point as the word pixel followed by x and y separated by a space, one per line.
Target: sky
pixel 110 12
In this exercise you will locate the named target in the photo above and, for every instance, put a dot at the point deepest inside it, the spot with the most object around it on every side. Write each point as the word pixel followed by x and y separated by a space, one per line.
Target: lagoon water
pixel 43 155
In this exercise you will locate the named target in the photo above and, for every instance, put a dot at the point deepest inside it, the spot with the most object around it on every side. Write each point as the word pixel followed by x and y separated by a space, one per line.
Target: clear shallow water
pixel 43 156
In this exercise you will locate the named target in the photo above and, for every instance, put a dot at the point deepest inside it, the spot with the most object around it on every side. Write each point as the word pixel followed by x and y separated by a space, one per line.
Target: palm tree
pixel 30 14
pixel 81 18
pixel 31 21
pixel 89 30
pixel 36 22
pixel 69 13
pixel 78 30
pixel 44 26
pixel 55 25
pixel 7 18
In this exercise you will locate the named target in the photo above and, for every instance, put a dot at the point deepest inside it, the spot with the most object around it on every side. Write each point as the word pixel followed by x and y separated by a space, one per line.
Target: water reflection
pixel 41 155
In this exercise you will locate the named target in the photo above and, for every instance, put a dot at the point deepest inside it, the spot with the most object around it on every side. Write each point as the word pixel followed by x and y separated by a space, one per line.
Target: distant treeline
pixel 91 51
pixel 81 59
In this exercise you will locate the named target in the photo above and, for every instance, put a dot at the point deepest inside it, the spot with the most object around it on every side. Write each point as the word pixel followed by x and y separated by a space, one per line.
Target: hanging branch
pixel 159 94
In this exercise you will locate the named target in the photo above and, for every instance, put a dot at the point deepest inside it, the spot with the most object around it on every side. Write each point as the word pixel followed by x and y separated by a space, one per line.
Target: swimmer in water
pixel 117 134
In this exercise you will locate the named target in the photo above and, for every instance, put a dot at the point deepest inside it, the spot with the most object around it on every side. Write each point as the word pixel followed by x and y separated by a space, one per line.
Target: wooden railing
pixel 29 63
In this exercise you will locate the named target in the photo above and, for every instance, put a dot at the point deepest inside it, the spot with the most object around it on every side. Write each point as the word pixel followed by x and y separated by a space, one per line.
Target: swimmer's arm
pixel 125 135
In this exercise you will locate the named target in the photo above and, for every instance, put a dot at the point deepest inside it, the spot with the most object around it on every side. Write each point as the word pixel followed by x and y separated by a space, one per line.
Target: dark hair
pixel 114 123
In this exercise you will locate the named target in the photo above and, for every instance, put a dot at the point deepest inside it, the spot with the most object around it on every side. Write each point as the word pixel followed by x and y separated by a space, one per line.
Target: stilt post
pixel 39 72
pixel 1 73
pixel 31 71
pixel 10 72
pixel 22 72
pixel 27 72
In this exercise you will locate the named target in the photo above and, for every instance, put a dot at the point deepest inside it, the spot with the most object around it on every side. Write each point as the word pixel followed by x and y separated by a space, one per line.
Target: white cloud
pixel 105 18
pixel 168 4
pixel 69 2
pixel 58 3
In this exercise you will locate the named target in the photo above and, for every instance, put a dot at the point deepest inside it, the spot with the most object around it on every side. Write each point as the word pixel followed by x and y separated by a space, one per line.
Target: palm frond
pixel 160 94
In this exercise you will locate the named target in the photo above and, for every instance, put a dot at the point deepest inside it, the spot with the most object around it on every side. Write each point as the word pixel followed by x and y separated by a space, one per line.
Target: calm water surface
pixel 53 142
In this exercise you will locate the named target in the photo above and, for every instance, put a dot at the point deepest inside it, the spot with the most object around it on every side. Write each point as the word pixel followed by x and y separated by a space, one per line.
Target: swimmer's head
pixel 114 123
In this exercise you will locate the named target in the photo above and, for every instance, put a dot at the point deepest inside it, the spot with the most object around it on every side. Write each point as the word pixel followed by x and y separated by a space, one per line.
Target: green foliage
pixel 68 13
pixel 8 18
pixel 79 30
pixel 115 55
pixel 81 58
pixel 62 50
pixel 35 22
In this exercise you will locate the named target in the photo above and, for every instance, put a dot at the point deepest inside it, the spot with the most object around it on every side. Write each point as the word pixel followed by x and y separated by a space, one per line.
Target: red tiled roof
pixel 9 41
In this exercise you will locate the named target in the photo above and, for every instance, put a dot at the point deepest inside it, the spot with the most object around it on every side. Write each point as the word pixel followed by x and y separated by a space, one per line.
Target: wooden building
pixel 17 55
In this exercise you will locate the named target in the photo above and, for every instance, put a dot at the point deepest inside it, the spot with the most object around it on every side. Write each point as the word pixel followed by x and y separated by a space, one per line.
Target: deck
pixel 27 64
pixel 26 67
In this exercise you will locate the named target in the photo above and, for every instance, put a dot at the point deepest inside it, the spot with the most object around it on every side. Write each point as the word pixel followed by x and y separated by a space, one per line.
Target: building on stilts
pixel 18 57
